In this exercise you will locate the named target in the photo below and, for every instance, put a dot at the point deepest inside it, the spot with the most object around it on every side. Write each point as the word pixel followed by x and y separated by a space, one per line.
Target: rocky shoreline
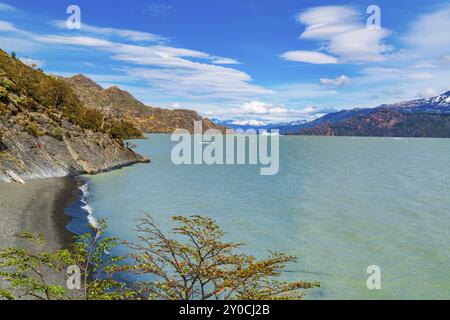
pixel 77 152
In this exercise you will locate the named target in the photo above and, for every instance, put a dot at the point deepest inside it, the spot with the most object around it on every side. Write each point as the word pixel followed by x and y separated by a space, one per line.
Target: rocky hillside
pixel 120 104
pixel 418 118
pixel 45 131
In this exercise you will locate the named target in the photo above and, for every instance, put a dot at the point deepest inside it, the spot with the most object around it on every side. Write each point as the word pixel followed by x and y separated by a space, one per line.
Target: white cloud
pixel 75 41
pixel 257 107
pixel 361 45
pixel 341 81
pixel 343 34
pixel 254 112
pixel 17 44
pixel 175 105
pixel 33 62
pixel 427 93
pixel 389 74
pixel 7 27
pixel 121 33
pixel 223 60
pixel 324 22
pixel 430 32
pixel 308 57
pixel 7 7
pixel 254 123
pixel 180 72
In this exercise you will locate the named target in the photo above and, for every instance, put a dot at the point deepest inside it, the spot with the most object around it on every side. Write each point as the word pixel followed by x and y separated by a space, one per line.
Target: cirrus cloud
pixel 341 81
pixel 178 72
pixel 309 57
pixel 127 34
pixel 427 33
pixel 7 7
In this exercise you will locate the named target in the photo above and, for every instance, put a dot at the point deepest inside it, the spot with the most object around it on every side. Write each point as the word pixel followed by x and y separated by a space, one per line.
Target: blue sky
pixel 244 60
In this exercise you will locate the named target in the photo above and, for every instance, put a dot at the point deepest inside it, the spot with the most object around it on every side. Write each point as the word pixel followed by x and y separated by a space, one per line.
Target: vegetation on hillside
pixel 25 89
pixel 196 263
pixel 120 104
pixel 386 123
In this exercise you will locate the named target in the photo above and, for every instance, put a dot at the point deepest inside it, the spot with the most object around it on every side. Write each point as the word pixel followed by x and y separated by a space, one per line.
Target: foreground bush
pixel 197 264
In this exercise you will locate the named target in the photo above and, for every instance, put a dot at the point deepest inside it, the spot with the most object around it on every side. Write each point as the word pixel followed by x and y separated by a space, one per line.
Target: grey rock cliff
pixel 77 151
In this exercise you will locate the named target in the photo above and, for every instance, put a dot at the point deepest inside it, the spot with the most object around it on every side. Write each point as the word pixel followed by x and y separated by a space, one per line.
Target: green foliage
pixel 3 93
pixel 29 272
pixel 4 294
pixel 57 133
pixel 53 95
pixel 87 118
pixel 7 84
pixel 26 271
pixel 27 103
pixel 124 130
pixel 33 129
pixel 91 254
pixel 196 264
pixel 201 265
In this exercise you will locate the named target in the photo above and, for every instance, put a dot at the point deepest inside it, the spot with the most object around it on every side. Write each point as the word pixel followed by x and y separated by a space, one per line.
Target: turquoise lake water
pixel 338 204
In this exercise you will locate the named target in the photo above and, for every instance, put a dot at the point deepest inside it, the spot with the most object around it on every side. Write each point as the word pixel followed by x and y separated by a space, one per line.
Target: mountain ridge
pixel 121 104
pixel 427 117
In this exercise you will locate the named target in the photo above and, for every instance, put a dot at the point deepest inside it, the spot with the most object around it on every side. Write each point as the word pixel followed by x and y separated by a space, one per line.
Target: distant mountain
pixel 428 117
pixel 259 125
pixel 436 105
pixel 328 118
pixel 120 104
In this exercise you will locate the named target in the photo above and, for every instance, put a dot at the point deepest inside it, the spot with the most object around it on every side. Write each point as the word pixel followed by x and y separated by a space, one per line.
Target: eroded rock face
pixel 74 151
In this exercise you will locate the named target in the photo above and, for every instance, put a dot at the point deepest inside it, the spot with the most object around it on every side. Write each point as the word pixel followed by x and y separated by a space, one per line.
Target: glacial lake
pixel 338 204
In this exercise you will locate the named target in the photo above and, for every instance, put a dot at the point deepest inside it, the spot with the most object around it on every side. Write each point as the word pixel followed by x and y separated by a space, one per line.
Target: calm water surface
pixel 338 204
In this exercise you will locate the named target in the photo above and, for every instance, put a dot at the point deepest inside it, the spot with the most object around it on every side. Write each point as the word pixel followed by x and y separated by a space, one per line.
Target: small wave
pixel 86 207
pixel 85 190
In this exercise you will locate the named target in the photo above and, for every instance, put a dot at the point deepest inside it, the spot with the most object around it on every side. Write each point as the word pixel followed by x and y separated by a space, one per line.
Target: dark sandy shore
pixel 37 207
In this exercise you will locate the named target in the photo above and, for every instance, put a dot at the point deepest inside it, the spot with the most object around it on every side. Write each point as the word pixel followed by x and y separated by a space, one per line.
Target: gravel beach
pixel 37 207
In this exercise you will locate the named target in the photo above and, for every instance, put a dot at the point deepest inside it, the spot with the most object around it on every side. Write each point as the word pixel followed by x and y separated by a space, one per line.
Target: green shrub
pixel 7 84
pixel 193 262
pixel 124 130
pixel 3 93
pixel 27 103
pixel 57 133
pixel 33 129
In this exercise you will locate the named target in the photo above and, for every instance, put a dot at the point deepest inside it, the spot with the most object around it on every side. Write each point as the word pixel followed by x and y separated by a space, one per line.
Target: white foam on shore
pixel 86 207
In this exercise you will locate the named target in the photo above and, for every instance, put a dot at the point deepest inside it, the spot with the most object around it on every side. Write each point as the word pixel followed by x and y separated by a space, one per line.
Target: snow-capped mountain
pixel 256 124
pixel 438 105
pixel 429 117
